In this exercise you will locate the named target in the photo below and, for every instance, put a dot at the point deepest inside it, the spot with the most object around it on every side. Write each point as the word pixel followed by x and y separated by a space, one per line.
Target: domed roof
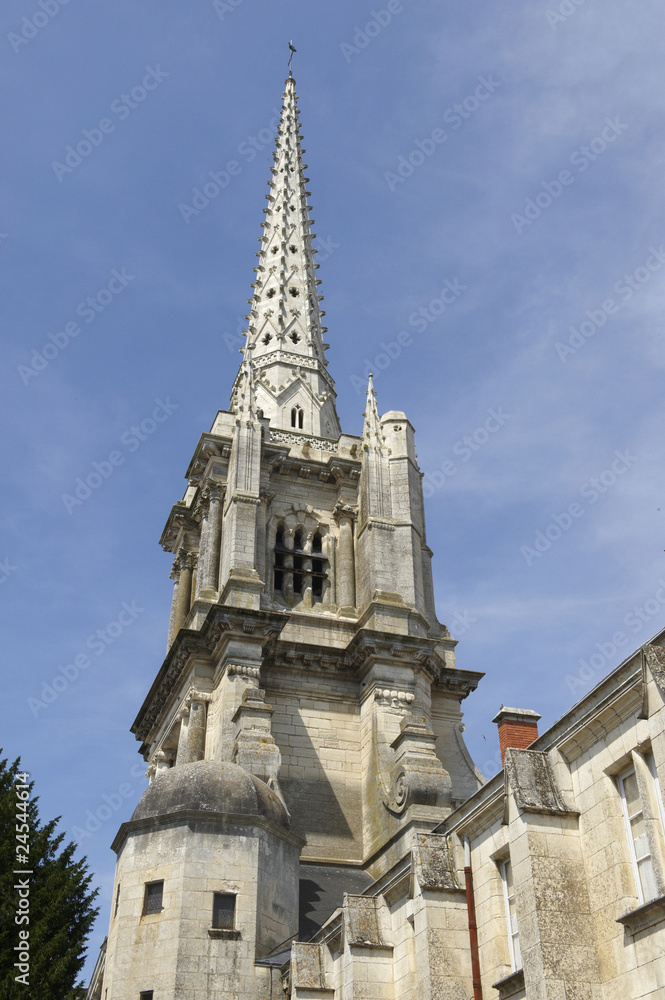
pixel 210 786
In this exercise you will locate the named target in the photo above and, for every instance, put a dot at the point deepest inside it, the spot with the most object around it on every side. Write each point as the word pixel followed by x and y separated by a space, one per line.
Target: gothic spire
pixel 285 335
pixel 371 429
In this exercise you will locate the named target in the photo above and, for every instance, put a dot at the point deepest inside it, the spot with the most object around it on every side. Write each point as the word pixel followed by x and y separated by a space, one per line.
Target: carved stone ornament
pixel 529 775
pixel 418 777
pixel 240 670
pixel 434 863
pixel 655 661
pixel 388 698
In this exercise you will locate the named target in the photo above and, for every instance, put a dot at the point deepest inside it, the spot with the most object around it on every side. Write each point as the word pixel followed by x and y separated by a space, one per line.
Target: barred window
pixel 152 900
pixel 224 911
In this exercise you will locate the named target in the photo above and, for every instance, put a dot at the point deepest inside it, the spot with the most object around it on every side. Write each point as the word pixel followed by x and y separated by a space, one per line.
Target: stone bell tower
pixel 305 724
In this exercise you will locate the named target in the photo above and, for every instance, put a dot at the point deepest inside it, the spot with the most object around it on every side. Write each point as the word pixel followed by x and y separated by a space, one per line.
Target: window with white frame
pixel 656 784
pixel 638 839
pixel 506 869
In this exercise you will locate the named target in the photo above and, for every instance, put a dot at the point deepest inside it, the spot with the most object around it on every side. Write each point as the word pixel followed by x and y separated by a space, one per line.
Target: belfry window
pixel 318 575
pixel 300 568
pixel 297 563
pixel 297 417
pixel 278 576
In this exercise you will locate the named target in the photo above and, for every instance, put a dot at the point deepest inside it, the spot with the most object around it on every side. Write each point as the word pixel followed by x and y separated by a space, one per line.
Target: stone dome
pixel 210 786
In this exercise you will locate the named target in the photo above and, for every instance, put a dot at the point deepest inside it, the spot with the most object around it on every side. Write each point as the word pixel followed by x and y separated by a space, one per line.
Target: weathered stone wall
pixel 173 952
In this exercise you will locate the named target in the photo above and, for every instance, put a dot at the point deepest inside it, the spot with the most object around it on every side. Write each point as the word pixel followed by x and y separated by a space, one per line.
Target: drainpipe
pixel 473 928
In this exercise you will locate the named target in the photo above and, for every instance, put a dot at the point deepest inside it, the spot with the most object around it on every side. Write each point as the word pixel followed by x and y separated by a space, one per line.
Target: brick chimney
pixel 518 728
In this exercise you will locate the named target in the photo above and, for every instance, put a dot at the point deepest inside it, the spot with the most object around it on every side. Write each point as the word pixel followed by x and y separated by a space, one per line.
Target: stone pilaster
pixel 211 539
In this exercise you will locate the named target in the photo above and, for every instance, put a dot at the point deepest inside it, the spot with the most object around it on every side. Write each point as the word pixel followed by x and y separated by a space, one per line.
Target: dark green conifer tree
pixel 59 899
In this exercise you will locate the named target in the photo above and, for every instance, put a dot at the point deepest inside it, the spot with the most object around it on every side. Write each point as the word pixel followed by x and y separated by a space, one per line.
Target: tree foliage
pixel 37 868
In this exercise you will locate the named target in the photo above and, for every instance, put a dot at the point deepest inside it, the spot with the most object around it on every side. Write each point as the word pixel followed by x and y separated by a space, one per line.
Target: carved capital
pixel 185 560
pixel 343 511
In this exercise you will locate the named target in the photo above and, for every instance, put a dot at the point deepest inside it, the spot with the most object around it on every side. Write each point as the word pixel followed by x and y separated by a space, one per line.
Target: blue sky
pixel 486 182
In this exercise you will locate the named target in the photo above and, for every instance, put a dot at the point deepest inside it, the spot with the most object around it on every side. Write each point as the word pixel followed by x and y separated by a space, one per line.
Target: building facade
pixel 314 825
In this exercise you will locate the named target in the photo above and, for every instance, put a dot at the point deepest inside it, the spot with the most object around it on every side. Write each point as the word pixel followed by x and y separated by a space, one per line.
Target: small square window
pixel 152 901
pixel 146 994
pixel 224 911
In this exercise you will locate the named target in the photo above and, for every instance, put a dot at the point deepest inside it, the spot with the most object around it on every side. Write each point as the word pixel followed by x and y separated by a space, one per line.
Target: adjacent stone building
pixel 314 826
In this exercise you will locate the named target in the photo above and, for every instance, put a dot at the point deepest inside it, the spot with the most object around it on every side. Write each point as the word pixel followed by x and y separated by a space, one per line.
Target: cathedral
pixel 314 826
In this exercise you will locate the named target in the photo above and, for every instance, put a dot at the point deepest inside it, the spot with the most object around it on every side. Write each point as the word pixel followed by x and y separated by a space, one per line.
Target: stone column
pixel 184 591
pixel 175 573
pixel 346 563
pixel 287 580
pixel 211 535
pixel 191 745
pixel 161 761
pixel 307 597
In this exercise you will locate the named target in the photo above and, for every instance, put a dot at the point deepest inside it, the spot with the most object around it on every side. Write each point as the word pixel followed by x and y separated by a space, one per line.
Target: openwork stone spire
pixel 285 348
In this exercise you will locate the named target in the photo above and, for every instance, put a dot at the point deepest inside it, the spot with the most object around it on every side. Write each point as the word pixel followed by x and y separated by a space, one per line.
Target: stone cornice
pixel 180 518
pixel 186 816
pixel 220 620
pixel 209 446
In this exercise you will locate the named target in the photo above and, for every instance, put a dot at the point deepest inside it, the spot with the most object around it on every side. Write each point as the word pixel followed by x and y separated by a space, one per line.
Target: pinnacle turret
pixel 285 334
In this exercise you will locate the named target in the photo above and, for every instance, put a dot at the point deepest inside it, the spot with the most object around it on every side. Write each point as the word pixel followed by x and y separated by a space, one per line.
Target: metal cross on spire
pixel 292 49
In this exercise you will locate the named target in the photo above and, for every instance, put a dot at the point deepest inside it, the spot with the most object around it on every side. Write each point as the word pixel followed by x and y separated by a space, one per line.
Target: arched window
pixel 297 417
